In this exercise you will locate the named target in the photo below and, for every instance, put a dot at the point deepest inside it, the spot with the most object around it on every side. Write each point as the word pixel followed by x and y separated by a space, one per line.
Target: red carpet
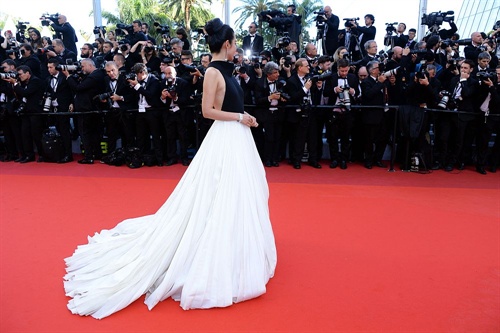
pixel 358 250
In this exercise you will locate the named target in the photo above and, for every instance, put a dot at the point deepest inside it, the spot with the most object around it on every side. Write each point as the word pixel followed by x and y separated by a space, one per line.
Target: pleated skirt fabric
pixel 210 244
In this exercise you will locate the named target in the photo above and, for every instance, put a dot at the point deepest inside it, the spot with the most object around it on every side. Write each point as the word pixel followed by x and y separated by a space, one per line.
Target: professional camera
pixel 447 43
pixel 40 52
pixel 162 29
pixel 320 16
pixel 437 18
pixel 391 72
pixel 321 77
pixel 14 50
pixel 284 41
pixel 348 23
pixel 20 109
pixel 390 28
pixel 8 75
pixel 463 42
pixel 47 18
pixel 170 85
pixel 190 69
pixel 257 61
pixel 446 101
pixel 106 99
pixel 131 76
pixel 240 70
pixel 273 13
pixel 97 30
pixel 127 27
pixel 21 26
pixel 381 56
pixel 280 85
pixel 488 74
pixel 422 73
pixel 344 98
pixel 453 64
pixel 288 61
pixel 70 68
pixel 47 102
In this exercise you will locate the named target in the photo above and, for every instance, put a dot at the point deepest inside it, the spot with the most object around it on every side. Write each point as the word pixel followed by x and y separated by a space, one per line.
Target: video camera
pixel 437 18
pixel 390 27
pixel 488 74
pixel 273 13
pixel 162 29
pixel 127 27
pixel 47 18
pixel 320 16
pixel 21 26
pixel 97 30
pixel 348 23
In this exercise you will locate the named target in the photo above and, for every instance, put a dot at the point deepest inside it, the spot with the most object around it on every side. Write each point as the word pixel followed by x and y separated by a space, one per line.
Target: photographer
pixel 331 32
pixel 268 100
pixel 183 36
pixel 145 31
pixel 365 33
pixel 65 32
pixel 29 91
pixel 311 55
pixel 149 117
pixel 148 55
pixel 29 59
pixel 491 124
pixel 341 89
pixel 10 121
pixel 137 35
pixel 291 24
pixel 59 52
pixel 349 41
pixel 472 51
pixel 253 42
pixel 85 90
pixel 400 39
pixel 175 96
pixel 120 98
pixel 59 98
pixel 7 43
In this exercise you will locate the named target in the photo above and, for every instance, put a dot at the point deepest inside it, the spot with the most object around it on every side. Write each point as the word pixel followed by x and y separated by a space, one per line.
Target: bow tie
pixel 54 77
pixel 271 82
pixel 112 80
pixel 252 36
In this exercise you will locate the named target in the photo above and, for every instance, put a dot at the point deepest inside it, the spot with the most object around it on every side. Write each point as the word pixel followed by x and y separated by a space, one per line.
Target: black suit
pixel 149 120
pixel 32 126
pixel 65 55
pixel 373 119
pixel 60 92
pixel 120 123
pixel 88 124
pixel 271 117
pixel 176 119
pixel 10 123
pixel 68 36
pixel 368 34
pixel 349 41
pixel 340 124
pixel 256 46
pixel 331 38
pixel 33 63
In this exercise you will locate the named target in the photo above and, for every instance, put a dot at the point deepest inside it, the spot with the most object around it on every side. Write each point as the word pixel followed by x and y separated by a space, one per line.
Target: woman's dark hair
pixel 182 32
pixel 217 34
pixel 36 44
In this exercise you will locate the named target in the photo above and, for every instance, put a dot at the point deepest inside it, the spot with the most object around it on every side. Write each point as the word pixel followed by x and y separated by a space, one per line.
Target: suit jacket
pixel 66 54
pixel 262 92
pixel 342 40
pixel 67 34
pixel 368 34
pixel 182 88
pixel 130 96
pixel 294 88
pixel 331 83
pixel 373 94
pixel 331 38
pixel 32 92
pixel 63 93
pixel 467 102
pixel 85 90
pixel 256 47
pixel 152 92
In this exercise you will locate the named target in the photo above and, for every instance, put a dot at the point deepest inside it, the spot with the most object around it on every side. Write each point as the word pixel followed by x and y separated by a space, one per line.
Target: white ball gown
pixel 210 244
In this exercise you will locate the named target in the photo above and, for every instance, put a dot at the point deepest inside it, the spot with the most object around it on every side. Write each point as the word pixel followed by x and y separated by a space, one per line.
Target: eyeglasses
pixel 374 67
pixel 185 58
pixel 84 49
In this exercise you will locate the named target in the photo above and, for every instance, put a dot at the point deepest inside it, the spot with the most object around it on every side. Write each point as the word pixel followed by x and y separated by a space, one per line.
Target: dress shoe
pixel 66 159
pixel 86 161
pixel 380 164
pixel 27 159
pixel 171 162
pixel 461 166
pixel 368 165
pixel 268 164
pixel 315 165
pixel 481 170
pixel 160 164
pixel 436 166
pixel 40 159
pixel 185 162
pixel 343 165
pixel 493 169
pixel 334 164
pixel 276 164
pixel 19 159
pixel 448 168
pixel 296 165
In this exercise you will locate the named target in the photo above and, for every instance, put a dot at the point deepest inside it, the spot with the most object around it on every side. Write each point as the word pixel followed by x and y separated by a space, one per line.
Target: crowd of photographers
pixel 441 108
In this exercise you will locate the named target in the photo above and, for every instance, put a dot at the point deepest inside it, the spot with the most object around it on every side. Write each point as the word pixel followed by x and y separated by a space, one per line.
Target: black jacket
pixel 331 38
pixel 130 96
pixel 85 90
pixel 256 47
pixel 32 93
pixel 373 94
pixel 63 92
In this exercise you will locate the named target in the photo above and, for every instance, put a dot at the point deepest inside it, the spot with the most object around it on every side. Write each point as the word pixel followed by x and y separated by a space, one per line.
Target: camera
pixel 437 18
pixel 47 104
pixel 284 41
pixel 348 23
pixel 14 50
pixel 148 48
pixel 8 75
pixel 20 109
pixel 453 64
pixel 69 68
pixel 320 16
pixel 422 73
pixel 344 98
pixel 106 97
pixel 280 85
pixel 273 13
pixel 447 43
pixel 161 29
pixel 446 101
pixel 240 70
pixel 45 50
pixel 127 27
pixel 488 74
pixel 288 61
pixel 21 26
pixel 131 76
pixel 321 77
pixel 389 28
pixel 97 30
pixel 47 18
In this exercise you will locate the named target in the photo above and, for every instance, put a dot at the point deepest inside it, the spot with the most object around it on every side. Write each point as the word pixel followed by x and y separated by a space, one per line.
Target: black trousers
pixel 89 126
pixel 11 125
pixel 148 124
pixel 318 119
pixel 120 124
pixel 375 134
pixel 63 127
pixel 298 136
pixel 339 128
pixel 31 131
pixel 176 126
pixel 273 127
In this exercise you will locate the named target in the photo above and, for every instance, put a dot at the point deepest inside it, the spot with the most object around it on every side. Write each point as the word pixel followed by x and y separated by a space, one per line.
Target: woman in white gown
pixel 211 244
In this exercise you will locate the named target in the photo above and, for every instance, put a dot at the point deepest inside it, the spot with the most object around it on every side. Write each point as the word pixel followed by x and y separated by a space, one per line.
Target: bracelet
pixel 240 117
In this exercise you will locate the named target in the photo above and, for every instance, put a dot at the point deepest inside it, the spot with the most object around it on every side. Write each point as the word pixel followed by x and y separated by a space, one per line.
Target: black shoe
pixel 27 159
pixel 160 164
pixel 493 169
pixel 276 164
pixel 461 166
pixel 380 164
pixel 334 164
pixel 315 165
pixel 40 159
pixel 19 159
pixel 171 162
pixel 296 165
pixel 8 158
pixel 448 168
pixel 343 165
pixel 86 161
pixel 65 159
pixel 268 164
pixel 481 170
pixel 436 166
pixel 368 165
pixel 185 162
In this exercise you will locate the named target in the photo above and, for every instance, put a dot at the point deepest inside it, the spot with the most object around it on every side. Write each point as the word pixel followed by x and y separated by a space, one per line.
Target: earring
pixel 225 57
